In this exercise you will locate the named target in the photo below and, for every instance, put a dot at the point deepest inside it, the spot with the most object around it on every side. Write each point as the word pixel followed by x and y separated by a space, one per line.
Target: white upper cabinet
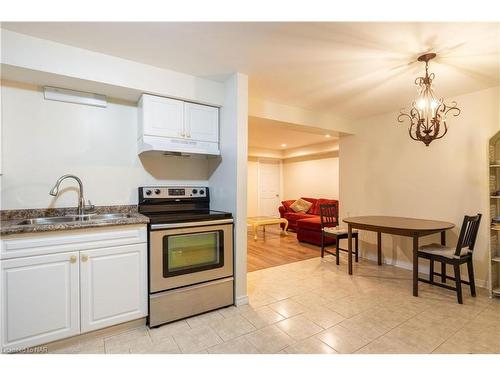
pixel 171 125
pixel 202 122
pixel 163 117
pixel 40 299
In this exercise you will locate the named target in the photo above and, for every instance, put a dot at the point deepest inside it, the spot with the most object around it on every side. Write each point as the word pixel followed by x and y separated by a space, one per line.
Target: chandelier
pixel 427 117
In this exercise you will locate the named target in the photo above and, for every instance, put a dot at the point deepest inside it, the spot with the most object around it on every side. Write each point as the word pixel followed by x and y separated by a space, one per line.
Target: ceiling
pixel 271 135
pixel 351 69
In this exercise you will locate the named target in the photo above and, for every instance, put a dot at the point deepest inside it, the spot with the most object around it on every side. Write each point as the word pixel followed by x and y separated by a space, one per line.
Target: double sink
pixel 73 218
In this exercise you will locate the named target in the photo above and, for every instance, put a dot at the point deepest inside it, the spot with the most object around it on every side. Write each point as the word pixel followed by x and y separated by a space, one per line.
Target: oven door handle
pixel 191 224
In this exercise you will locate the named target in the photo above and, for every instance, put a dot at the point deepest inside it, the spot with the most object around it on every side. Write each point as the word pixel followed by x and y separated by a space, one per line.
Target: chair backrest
pixel 328 214
pixel 468 233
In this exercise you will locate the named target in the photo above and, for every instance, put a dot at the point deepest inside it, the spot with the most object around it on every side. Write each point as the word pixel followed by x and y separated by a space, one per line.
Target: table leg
pixel 284 230
pixel 255 232
pixel 379 248
pixel 415 265
pixel 337 247
pixel 349 248
pixel 356 255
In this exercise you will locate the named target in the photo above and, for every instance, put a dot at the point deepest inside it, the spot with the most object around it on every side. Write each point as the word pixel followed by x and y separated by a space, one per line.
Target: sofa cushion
pixel 312 208
pixel 287 204
pixel 319 202
pixel 311 223
pixel 301 205
pixel 294 216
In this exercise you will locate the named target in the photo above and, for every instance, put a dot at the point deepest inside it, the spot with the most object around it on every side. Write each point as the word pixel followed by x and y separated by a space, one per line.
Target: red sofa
pixel 307 224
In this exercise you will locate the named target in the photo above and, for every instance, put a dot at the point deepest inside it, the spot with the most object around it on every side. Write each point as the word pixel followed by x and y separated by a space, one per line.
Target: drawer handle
pixel 72 259
pixel 85 258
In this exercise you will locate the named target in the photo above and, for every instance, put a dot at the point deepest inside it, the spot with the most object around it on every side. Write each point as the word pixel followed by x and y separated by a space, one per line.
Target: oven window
pixel 193 252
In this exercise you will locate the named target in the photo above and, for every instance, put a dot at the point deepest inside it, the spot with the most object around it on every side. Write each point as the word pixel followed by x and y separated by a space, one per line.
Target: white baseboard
pixel 241 300
pixel 422 269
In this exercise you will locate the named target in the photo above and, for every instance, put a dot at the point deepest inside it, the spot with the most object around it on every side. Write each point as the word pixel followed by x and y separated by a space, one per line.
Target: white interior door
pixel 269 188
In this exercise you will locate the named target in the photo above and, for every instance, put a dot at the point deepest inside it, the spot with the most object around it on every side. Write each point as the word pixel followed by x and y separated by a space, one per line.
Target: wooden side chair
pixel 329 228
pixel 454 256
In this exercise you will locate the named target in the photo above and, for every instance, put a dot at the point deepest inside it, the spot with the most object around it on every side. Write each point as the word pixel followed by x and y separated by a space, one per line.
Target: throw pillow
pixel 301 205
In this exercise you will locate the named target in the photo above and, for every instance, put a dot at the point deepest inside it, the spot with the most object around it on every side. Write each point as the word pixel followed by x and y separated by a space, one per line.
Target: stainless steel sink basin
pixel 72 218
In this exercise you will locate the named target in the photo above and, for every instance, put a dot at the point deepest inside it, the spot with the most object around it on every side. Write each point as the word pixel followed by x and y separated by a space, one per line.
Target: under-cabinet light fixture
pixel 72 96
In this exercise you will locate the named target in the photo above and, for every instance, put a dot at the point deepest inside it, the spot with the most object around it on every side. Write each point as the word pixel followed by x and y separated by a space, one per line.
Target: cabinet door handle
pixel 72 259
pixel 85 258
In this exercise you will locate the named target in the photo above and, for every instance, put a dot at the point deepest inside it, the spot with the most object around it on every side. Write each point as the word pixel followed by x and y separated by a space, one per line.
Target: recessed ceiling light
pixel 283 145
pixel 327 135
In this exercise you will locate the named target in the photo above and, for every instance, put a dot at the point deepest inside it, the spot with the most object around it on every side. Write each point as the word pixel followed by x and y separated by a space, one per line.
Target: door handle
pixel 85 258
pixel 72 259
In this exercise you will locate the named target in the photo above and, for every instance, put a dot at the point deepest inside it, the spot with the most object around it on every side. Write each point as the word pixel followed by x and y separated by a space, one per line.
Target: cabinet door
pixel 163 117
pixel 40 299
pixel 202 122
pixel 113 285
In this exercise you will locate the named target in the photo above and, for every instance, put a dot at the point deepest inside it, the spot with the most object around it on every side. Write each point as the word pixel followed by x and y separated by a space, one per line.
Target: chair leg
pixel 458 283
pixel 443 273
pixel 356 254
pixel 431 271
pixel 472 282
pixel 322 244
pixel 337 252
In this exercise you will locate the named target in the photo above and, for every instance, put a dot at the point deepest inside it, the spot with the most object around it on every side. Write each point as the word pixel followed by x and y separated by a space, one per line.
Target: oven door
pixel 189 253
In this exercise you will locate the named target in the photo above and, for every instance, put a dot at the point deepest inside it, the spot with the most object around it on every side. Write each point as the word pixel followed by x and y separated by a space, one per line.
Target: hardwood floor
pixel 272 249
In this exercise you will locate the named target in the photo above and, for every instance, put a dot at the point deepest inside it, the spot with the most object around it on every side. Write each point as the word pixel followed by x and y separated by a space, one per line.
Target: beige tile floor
pixel 313 306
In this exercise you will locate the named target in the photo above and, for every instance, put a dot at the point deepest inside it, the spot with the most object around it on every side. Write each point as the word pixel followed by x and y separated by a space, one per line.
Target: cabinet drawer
pixel 29 244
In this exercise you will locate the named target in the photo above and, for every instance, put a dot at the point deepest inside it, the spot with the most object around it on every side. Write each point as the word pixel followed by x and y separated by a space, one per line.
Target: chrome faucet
pixel 81 201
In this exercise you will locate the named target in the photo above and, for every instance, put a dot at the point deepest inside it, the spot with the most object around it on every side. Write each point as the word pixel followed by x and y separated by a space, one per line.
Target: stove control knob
pixel 148 192
pixel 157 191
pixel 202 192
pixel 195 191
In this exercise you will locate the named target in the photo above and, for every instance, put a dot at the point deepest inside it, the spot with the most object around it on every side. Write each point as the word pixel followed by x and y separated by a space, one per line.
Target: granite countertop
pixel 10 219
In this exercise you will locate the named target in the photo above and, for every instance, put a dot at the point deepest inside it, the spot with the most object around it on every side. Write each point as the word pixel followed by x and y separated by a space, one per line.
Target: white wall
pixel 38 61
pixel 384 172
pixel 43 140
pixel 313 176
pixel 229 174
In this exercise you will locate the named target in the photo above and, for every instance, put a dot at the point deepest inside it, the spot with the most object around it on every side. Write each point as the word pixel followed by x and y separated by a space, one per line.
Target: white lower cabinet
pixel 113 286
pixel 40 300
pixel 49 297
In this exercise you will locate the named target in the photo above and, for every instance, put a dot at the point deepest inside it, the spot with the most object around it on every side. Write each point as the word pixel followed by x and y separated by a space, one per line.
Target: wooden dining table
pixel 400 226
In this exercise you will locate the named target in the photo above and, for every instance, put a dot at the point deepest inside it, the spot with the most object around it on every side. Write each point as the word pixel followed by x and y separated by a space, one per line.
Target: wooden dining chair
pixel 329 228
pixel 454 256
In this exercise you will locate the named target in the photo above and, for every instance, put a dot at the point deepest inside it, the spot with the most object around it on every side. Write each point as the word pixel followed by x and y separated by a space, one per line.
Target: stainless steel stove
pixel 190 253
